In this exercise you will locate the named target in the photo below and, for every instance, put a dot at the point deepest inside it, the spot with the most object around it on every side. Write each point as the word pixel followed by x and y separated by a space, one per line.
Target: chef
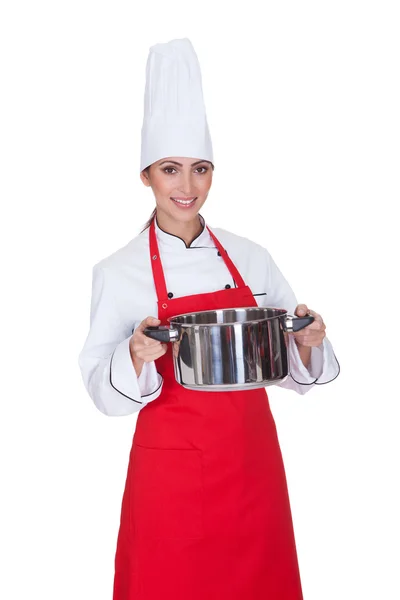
pixel 205 512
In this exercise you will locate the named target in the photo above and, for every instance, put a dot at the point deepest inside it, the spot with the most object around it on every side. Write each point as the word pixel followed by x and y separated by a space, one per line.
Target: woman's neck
pixel 186 231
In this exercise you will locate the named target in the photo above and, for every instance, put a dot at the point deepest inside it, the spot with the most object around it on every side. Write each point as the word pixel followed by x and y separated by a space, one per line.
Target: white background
pixel 303 106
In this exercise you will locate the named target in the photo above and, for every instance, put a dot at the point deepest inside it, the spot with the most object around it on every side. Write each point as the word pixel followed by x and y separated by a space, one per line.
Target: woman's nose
pixel 185 185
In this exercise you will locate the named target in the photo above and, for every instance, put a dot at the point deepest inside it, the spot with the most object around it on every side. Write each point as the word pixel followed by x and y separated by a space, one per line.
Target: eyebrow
pixel 179 164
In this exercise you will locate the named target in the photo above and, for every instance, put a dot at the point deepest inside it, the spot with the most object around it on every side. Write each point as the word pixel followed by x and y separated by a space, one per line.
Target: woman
pixel 205 511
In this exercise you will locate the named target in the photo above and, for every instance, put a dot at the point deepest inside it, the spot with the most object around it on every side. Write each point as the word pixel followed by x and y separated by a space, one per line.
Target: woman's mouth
pixel 184 202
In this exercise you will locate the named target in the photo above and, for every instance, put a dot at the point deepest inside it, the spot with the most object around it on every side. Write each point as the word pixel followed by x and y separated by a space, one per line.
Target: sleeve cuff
pixel 150 381
pixel 142 389
pixel 323 367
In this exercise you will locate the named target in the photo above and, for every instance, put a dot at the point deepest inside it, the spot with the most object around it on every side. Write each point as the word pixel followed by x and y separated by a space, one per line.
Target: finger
pixel 301 310
pixel 145 340
pixel 314 326
pixel 148 322
pixel 147 350
pixel 316 315
pixel 154 356
pixel 310 338
pixel 312 343
pixel 308 332
pixel 310 335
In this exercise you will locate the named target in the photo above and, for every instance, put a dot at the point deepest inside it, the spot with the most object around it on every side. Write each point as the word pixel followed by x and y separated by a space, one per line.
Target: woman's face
pixel 180 186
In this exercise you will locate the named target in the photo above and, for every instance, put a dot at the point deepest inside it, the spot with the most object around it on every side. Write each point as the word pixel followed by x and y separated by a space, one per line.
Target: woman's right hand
pixel 144 349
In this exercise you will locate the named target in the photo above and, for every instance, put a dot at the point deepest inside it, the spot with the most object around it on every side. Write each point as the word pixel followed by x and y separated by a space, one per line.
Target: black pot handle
pixel 293 324
pixel 162 333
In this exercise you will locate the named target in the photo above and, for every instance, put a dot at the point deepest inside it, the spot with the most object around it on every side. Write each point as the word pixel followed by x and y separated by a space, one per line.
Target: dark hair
pixel 153 214
pixel 149 222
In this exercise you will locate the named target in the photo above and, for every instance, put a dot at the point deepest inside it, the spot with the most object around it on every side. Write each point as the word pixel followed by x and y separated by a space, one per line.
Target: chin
pixel 186 214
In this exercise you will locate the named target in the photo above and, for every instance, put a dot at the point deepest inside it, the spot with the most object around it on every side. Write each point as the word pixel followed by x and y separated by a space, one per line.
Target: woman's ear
pixel 145 178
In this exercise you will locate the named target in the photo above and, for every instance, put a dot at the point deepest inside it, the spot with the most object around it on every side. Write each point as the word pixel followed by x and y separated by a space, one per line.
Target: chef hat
pixel 175 122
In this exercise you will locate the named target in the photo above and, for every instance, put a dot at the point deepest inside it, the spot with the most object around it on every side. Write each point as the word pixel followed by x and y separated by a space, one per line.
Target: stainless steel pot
pixel 230 349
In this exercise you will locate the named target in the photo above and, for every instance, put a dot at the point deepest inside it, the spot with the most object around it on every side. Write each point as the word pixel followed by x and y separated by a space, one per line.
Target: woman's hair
pixel 153 214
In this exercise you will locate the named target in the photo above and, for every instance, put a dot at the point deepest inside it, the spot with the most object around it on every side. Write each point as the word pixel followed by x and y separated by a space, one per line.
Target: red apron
pixel 205 512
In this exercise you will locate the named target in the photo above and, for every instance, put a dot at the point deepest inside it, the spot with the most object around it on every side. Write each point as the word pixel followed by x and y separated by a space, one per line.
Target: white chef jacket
pixel 123 294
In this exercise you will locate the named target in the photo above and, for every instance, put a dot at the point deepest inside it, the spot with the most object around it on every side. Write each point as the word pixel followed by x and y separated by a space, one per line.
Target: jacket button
pixel 218 253
pixel 227 286
pixel 170 295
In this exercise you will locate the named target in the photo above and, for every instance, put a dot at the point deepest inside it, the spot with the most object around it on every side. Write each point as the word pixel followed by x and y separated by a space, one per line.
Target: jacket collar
pixel 173 242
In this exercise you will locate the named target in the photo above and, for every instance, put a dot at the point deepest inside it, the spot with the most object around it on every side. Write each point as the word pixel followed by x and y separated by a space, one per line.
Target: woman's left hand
pixel 313 334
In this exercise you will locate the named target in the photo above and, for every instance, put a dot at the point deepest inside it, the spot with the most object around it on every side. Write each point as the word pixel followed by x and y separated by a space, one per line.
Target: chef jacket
pixel 123 294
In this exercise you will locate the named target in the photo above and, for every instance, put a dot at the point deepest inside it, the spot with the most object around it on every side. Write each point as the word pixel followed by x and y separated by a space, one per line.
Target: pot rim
pixel 284 312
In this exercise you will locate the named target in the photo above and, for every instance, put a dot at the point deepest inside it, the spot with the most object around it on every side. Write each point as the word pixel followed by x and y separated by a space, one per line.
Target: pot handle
pixel 293 324
pixel 162 333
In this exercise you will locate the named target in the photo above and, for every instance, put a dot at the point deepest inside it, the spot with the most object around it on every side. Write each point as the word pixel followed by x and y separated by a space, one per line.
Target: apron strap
pixel 236 276
pixel 158 272
pixel 156 265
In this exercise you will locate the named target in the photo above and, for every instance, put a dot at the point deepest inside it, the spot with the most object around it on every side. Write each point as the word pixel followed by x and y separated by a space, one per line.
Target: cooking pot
pixel 230 349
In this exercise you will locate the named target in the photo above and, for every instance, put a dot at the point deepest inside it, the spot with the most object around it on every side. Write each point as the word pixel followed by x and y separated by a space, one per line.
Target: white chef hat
pixel 175 122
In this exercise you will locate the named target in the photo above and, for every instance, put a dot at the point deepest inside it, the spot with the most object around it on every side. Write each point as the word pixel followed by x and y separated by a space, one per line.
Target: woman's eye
pixel 169 170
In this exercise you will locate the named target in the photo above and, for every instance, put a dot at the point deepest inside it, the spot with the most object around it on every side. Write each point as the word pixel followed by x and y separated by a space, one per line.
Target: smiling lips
pixel 184 202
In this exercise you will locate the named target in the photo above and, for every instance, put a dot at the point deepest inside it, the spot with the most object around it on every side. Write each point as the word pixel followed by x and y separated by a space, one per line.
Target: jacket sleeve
pixel 323 366
pixel 105 362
